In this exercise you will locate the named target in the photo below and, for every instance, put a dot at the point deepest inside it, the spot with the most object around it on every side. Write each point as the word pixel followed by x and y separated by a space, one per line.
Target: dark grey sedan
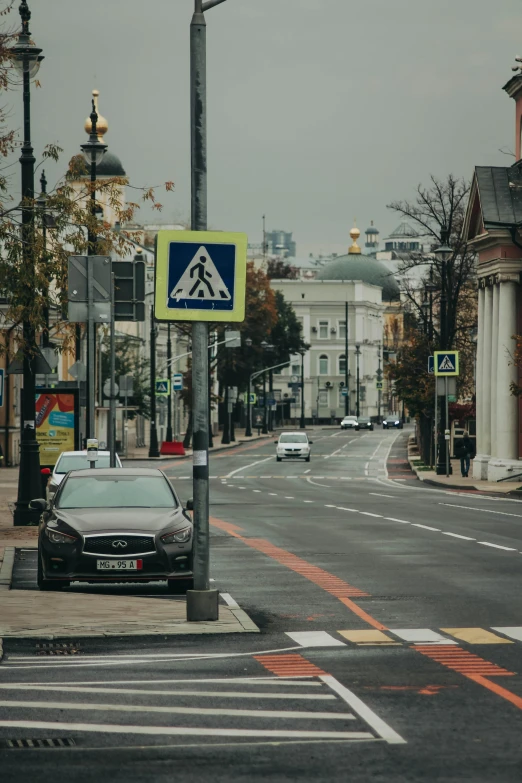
pixel 114 525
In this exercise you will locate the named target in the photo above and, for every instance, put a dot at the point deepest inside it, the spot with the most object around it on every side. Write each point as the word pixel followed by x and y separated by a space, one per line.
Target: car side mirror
pixel 310 442
pixel 39 504
pixel 276 441
pixel 190 505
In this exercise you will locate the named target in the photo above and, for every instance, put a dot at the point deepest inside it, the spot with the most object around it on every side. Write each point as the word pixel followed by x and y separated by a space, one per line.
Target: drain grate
pixel 58 648
pixel 59 742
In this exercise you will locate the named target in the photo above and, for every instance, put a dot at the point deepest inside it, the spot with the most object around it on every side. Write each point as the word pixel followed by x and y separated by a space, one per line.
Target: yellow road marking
pixel 476 636
pixel 367 637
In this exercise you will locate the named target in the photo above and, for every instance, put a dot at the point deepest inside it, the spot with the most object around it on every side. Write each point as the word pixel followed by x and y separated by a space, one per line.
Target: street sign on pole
pixel 446 363
pixel 200 276
pixel 129 289
pixel 344 392
pixel 177 381
pixel 162 387
pixel 378 386
pixel 107 386
pixel 431 364
pixel 78 289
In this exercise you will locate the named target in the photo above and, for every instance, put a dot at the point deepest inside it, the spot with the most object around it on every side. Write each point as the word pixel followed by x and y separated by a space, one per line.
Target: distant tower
pixel 372 239
pixel 110 168
pixel 354 234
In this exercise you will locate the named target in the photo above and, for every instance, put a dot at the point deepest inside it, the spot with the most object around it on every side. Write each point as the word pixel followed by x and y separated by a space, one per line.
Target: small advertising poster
pixel 57 419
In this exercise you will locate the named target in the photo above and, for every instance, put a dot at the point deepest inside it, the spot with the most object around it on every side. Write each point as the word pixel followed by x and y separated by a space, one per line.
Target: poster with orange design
pixel 57 429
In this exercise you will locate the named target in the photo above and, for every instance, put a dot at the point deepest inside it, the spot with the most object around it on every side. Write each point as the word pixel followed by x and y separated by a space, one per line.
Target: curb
pixel 514 494
pixel 6 570
pixel 245 621
pixel 215 449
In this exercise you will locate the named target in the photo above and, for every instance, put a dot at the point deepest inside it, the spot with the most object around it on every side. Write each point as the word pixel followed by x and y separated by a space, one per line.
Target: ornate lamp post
pixel 358 384
pixel 27 58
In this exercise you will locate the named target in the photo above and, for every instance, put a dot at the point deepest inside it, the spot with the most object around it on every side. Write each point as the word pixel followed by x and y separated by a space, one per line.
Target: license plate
pixel 119 565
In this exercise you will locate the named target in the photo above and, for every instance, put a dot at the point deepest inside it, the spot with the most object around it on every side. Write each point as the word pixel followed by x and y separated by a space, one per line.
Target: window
pixel 342 398
pixel 295 370
pixel 323 365
pixel 342 330
pixel 323 330
pixel 323 398
pixel 342 364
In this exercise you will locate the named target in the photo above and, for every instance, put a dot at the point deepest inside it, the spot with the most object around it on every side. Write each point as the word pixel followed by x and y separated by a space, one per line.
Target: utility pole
pixel 346 378
pixel 168 437
pixel 358 388
pixel 302 424
pixel 265 419
pixel 153 446
pixel 444 253
pixel 379 381
pixel 202 602
pixel 112 374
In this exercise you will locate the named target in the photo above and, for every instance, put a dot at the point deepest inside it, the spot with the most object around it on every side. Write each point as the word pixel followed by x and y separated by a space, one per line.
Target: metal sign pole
pixel 202 603
pixel 112 400
pixel 447 425
pixel 435 428
pixel 91 351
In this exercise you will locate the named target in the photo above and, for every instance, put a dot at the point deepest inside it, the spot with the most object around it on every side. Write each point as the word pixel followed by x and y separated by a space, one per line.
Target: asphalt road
pixel 390 645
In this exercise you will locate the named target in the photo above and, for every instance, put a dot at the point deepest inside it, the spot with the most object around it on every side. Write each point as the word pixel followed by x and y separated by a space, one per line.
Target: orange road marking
pixel 498 689
pixel 289 666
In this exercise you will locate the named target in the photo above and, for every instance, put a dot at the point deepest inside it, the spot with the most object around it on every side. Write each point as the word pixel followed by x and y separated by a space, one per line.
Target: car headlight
pixel 178 537
pixel 59 538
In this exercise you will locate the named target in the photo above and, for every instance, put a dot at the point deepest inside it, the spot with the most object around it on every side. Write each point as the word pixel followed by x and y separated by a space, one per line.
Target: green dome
pixel 360 267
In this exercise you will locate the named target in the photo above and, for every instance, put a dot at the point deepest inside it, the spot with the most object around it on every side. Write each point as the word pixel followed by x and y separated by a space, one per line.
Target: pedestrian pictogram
pixel 200 276
pixel 201 280
pixel 162 387
pixel 446 363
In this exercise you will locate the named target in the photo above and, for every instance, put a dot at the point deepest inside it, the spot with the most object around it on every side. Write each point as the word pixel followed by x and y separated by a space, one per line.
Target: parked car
pixel 364 423
pixel 349 423
pixel 114 525
pixel 392 423
pixel 77 460
pixel 293 445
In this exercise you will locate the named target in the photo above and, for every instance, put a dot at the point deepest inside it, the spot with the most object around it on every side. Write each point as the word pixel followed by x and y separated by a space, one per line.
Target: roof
pixel 365 268
pixel 372 230
pixel 500 193
pixel 404 230
pixel 110 166
pixel 119 471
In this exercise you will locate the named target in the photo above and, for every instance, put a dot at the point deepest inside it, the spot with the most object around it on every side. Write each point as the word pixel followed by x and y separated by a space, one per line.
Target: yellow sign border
pixel 164 239
pixel 446 374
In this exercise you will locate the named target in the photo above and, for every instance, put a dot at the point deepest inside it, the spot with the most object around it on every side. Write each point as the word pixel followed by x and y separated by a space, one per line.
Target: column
pixel 507 404
pixel 486 372
pixel 479 402
pixel 494 358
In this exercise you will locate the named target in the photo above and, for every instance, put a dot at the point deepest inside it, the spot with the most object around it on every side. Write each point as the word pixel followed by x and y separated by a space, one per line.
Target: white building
pixel 320 304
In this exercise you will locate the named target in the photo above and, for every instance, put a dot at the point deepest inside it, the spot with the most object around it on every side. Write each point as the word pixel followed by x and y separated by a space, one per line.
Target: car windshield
pixel 289 437
pixel 350 418
pixel 363 421
pixel 80 462
pixel 122 492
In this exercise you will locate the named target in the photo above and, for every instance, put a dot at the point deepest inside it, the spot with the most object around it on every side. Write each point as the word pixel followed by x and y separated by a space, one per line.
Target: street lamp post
pixel 444 253
pixel 93 151
pixel 346 369
pixel 153 447
pixel 27 58
pixel 248 429
pixel 379 381
pixel 358 385
pixel 302 425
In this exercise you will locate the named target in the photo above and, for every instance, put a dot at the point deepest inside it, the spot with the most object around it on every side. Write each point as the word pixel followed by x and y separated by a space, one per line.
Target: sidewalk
pixel 512 489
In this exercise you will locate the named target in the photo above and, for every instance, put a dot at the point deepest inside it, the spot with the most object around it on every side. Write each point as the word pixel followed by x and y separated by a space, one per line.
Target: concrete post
pixel 486 371
pixel 494 358
pixel 507 404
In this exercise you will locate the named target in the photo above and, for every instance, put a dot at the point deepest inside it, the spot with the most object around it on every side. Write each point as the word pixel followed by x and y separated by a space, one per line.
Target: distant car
pixel 349 423
pixel 77 460
pixel 364 423
pixel 114 525
pixel 293 445
pixel 392 423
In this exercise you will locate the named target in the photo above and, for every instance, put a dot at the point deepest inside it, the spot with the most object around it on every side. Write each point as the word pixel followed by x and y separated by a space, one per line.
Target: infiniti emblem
pixel 120 544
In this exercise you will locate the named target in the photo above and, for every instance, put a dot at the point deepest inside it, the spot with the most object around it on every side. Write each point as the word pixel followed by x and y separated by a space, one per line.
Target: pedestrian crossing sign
pixel 446 363
pixel 200 276
pixel 162 387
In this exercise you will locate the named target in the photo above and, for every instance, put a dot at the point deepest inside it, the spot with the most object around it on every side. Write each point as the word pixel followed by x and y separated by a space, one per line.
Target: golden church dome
pixel 102 126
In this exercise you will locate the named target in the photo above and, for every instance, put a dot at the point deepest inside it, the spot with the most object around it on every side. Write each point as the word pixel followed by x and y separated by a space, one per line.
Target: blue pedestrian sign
pixel 446 363
pixel 162 387
pixel 200 276
pixel 177 381
pixel 2 377
pixel 431 364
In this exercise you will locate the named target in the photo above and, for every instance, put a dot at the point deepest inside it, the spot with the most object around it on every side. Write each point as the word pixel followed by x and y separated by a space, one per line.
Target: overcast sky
pixel 319 110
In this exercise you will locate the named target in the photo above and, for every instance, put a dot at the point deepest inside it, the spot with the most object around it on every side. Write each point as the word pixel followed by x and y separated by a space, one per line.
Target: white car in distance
pixel 77 460
pixel 349 423
pixel 293 445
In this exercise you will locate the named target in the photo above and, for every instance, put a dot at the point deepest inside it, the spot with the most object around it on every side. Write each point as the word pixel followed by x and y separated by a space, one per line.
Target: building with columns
pixel 493 230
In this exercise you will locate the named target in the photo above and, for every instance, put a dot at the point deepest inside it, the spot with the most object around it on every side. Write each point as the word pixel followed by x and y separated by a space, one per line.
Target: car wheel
pixel 179 586
pixel 278 459
pixel 307 459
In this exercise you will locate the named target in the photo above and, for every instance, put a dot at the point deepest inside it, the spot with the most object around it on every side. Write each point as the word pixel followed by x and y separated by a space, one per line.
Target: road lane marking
pixel 364 712
pixel 314 639
pixel 59 705
pixel 483 510
pixel 381 495
pixel 402 521
pixel 308 501
pixel 274 494
pixel 311 481
pixel 240 470
pixel 369 514
pixel 289 497
pixel 456 535
pixel 307 471
pixel 514 632
pixel 368 637
pixel 426 527
pixel 497 546
pixel 421 636
pixel 265 680
pixel 476 636
pixel 172 731
pixel 203 694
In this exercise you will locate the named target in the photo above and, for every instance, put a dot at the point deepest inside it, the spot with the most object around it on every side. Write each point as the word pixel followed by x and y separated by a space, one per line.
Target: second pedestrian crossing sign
pixel 446 363
pixel 200 276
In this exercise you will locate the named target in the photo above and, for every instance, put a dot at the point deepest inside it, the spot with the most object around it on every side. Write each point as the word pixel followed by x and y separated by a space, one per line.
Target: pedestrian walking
pixel 465 451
